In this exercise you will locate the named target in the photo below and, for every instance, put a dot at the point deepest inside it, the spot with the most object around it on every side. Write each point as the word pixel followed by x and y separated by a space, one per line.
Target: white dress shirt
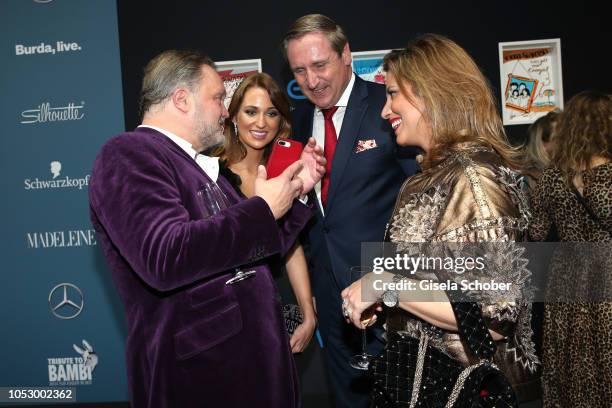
pixel 318 124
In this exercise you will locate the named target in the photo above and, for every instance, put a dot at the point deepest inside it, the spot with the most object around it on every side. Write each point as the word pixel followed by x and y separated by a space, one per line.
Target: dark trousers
pixel 350 387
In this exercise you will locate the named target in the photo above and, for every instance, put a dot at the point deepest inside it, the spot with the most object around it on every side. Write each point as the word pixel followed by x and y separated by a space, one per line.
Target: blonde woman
pixel 469 191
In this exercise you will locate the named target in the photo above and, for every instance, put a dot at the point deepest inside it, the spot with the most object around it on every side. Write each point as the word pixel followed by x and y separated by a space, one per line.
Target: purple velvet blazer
pixel 192 340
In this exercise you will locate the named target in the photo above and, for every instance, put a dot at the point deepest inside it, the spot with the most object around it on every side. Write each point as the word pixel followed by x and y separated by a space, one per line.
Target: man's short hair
pixel 169 70
pixel 316 23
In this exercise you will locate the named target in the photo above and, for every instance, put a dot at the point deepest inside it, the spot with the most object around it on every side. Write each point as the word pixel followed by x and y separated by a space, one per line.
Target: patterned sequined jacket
pixel 471 197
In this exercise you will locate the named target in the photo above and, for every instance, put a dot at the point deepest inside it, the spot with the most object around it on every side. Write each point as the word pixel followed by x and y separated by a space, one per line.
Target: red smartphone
pixel 284 153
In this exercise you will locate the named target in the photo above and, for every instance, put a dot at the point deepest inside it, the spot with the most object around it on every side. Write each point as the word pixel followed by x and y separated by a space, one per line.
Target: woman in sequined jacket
pixel 470 191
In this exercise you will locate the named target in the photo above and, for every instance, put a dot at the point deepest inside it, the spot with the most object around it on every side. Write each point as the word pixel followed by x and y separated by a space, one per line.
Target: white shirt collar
pixel 210 165
pixel 343 101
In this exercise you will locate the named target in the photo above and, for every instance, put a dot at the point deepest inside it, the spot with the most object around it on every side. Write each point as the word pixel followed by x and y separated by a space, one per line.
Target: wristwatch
pixel 390 298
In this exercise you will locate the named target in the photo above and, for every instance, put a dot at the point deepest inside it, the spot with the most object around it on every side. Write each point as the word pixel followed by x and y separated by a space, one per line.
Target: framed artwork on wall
pixel 531 80
pixel 233 73
pixel 368 65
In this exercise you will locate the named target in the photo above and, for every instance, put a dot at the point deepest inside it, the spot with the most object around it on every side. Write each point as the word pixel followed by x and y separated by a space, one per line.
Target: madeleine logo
pixel 61 239
pixel 45 112
pixel 55 167
pixel 47 48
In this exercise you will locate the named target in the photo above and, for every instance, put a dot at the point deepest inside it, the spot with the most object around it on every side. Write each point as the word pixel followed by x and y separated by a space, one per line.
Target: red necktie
pixel 330 147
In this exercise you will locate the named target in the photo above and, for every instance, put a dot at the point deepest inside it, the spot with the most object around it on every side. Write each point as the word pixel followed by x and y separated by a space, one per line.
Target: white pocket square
pixel 364 145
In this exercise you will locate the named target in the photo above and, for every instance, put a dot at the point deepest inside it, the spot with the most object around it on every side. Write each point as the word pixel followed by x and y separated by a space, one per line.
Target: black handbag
pixel 412 373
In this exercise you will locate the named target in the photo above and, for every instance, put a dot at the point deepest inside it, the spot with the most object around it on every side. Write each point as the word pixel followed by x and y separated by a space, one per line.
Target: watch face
pixel 389 298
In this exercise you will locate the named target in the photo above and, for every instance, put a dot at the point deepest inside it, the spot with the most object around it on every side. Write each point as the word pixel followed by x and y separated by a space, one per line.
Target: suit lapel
pixel 177 149
pixel 221 181
pixel 355 111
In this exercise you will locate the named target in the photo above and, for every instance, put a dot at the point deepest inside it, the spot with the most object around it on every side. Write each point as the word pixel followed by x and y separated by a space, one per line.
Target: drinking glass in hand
pixel 361 361
pixel 213 201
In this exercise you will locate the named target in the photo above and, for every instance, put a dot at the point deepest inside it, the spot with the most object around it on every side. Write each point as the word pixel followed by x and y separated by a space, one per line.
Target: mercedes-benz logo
pixel 66 301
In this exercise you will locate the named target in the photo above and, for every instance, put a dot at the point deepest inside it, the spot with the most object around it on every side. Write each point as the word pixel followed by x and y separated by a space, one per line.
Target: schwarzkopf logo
pixel 46 113
pixel 61 239
pixel 56 181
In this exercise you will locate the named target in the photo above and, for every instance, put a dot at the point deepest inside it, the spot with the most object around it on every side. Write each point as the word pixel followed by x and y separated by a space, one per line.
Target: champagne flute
pixel 213 201
pixel 361 361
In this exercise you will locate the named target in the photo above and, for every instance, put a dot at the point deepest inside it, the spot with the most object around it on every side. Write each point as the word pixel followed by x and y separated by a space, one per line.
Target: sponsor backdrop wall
pixel 62 323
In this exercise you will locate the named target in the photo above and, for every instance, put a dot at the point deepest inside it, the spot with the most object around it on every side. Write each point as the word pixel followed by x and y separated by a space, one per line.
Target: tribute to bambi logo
pixel 55 167
pixel 45 112
pixel 66 301
pixel 67 371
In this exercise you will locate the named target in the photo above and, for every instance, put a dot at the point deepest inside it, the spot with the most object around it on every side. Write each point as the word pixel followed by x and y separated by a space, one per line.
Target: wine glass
pixel 213 200
pixel 361 361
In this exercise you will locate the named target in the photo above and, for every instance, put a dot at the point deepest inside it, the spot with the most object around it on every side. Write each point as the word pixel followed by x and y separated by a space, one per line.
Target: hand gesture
pixel 353 306
pixel 279 192
pixel 314 165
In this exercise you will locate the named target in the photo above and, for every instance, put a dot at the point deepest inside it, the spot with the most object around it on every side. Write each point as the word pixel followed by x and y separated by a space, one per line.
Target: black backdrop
pixel 234 30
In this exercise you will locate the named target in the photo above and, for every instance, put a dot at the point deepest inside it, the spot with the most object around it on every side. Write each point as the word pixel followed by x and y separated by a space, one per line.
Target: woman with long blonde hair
pixel 469 191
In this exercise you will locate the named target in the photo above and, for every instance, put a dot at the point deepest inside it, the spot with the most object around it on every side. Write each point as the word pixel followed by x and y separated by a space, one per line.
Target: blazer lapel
pixel 177 149
pixel 221 181
pixel 355 111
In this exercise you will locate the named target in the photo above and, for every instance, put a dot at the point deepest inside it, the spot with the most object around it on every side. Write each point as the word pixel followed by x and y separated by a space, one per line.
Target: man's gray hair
pixel 169 70
pixel 316 23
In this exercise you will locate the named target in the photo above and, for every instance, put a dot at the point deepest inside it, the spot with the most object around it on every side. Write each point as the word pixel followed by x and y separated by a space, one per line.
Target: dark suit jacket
pixel 192 340
pixel 363 186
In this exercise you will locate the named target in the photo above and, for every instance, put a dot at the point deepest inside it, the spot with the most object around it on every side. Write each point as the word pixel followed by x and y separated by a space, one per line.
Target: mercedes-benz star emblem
pixel 66 301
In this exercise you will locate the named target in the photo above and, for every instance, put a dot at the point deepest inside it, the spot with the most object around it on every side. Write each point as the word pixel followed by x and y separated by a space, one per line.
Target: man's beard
pixel 209 134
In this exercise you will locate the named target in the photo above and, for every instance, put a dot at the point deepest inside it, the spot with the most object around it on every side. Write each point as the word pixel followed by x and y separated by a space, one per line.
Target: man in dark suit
pixel 355 202
pixel 193 339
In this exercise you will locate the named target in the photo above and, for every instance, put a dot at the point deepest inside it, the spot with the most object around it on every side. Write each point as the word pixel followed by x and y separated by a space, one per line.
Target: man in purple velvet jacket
pixel 193 340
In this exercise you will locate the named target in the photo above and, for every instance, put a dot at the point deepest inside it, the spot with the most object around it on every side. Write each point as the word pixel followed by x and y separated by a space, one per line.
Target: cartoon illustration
pixel 531 79
pixel 519 93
